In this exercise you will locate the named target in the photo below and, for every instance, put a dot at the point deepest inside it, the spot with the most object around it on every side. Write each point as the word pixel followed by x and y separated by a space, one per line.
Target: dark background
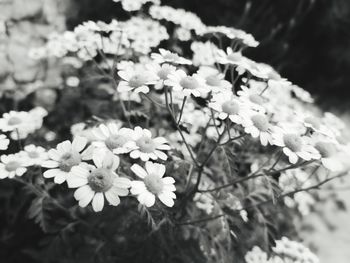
pixel 307 41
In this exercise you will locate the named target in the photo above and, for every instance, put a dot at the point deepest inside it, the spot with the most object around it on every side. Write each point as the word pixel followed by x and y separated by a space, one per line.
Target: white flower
pixel 162 72
pixel 204 53
pixel 65 157
pixel 22 123
pixel 12 165
pixel 146 147
pixel 252 99
pixel 14 120
pixel 166 56
pixel 34 155
pixel 214 80
pixel 328 152
pixel 228 106
pixel 153 184
pixel 4 142
pixel 185 84
pixel 231 57
pixel 96 183
pixel 258 126
pixel 136 81
pixel 294 146
pixel 110 136
pixel 183 34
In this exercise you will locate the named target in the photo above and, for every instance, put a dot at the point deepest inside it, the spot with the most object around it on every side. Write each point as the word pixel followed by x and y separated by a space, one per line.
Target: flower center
pixel 12 166
pixel 33 154
pixel 164 72
pixel 230 107
pixel 313 121
pixel 171 56
pixel 68 160
pixel 153 183
pixel 101 180
pixel 146 144
pixel 137 80
pixel 116 141
pixel 326 149
pixel 257 99
pixel 293 142
pixel 213 81
pixel 189 83
pixel 14 121
pixel 260 122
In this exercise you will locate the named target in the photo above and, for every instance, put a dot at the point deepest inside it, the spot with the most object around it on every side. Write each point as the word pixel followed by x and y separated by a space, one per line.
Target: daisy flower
pixel 14 120
pixel 110 136
pixel 95 183
pixel 65 157
pixel 135 80
pixel 146 147
pixel 328 152
pixel 153 185
pixel 162 71
pixel 188 85
pixel 214 80
pixel 252 99
pixel 230 57
pixel 4 142
pixel 313 123
pixel 294 146
pixel 228 106
pixel 165 56
pixel 34 155
pixel 258 126
pixel 12 165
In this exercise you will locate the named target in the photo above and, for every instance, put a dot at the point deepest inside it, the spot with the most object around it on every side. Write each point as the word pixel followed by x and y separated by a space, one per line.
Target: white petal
pixel 138 170
pixel 54 155
pixel 144 156
pixel 79 143
pixel 98 202
pixel 65 146
pixel 60 177
pixel 161 155
pixel 97 157
pixel 149 199
pixel 135 154
pixel 122 182
pixel 168 180
pixel 112 197
pixel 50 164
pixel 51 173
pixel 166 199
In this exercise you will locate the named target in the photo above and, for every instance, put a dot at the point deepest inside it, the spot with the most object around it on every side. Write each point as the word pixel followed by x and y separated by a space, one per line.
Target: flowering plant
pixel 183 149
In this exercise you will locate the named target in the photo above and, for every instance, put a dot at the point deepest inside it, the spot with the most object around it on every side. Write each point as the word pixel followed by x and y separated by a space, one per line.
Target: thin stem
pixel 213 118
pixel 290 193
pixel 178 128
pixel 182 109
pixel 277 160
pixel 252 176
pixel 206 219
pixel 95 62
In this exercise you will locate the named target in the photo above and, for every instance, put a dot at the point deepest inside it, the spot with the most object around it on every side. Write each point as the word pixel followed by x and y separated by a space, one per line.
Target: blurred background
pixel 307 41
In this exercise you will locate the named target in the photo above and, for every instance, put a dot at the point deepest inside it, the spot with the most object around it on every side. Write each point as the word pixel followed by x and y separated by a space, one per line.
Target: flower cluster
pixel 285 251
pixel 200 127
